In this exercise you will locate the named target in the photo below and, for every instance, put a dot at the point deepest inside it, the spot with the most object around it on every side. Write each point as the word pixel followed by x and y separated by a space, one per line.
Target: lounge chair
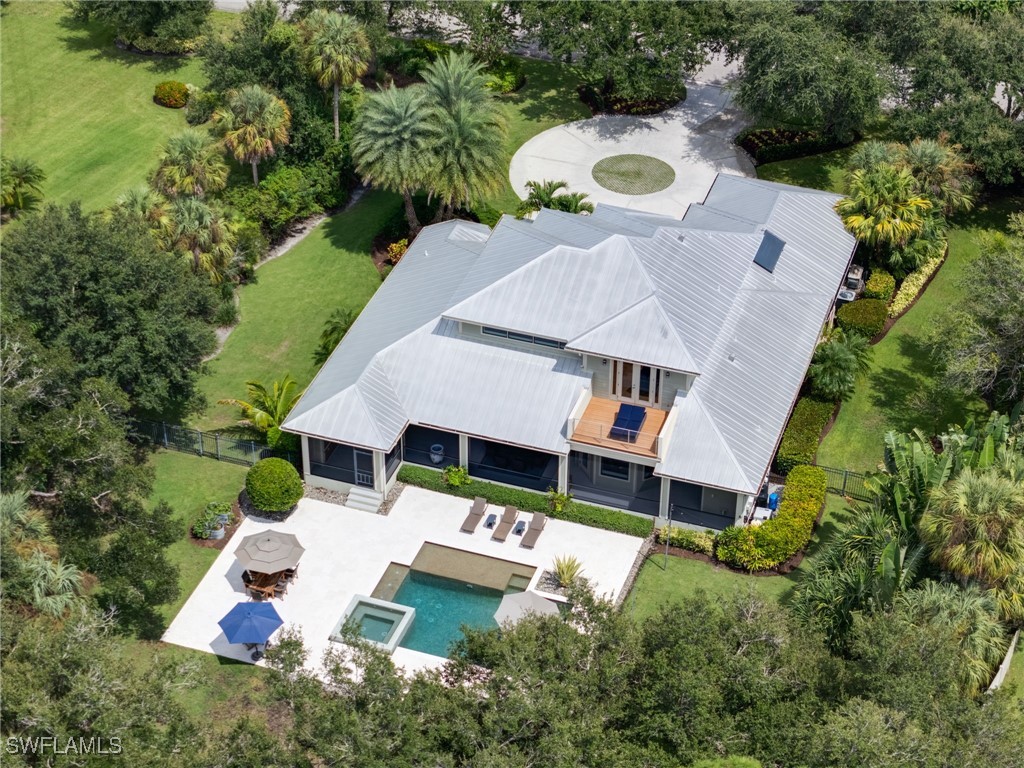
pixel 508 519
pixel 536 526
pixel 628 422
pixel 476 514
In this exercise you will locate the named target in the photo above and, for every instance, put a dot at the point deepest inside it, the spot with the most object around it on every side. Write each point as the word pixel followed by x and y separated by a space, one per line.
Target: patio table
pixel 265 583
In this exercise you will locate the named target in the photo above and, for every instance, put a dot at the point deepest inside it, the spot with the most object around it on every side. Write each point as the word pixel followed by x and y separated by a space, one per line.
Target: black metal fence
pixel 211 444
pixel 847 483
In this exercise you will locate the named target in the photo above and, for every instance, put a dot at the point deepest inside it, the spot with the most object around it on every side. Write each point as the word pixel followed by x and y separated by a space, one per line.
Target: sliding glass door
pixel 636 383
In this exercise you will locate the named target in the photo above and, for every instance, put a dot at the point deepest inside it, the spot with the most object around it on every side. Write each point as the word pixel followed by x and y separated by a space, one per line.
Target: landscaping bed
pixel 601 104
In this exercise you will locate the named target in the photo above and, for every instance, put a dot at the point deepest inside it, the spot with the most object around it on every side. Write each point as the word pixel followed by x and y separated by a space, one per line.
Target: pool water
pixel 376 628
pixel 442 607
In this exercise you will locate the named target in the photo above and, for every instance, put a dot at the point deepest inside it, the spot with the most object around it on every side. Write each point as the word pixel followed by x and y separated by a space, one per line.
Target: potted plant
pixel 222 511
pixel 209 526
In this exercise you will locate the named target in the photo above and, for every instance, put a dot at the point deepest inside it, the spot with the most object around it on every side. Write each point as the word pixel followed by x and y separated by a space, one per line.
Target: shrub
pixel 226 315
pixel 397 250
pixel 528 501
pixel 171 93
pixel 487 214
pixel 864 316
pixel 558 501
pixel 455 476
pixel 768 145
pixel 881 285
pixel 200 106
pixel 217 508
pixel 567 570
pixel 506 75
pixel 912 287
pixel 283 197
pixel 800 440
pixel 273 485
pixel 205 525
pixel 684 538
pixel 760 547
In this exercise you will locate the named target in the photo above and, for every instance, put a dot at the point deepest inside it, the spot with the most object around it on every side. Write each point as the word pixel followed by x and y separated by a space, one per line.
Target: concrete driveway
pixel 694 137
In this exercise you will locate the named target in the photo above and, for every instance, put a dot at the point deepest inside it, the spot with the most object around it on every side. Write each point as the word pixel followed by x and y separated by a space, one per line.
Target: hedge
pixel 273 485
pixel 171 93
pixel 800 440
pixel 864 316
pixel 912 286
pixel 881 285
pixel 760 547
pixel 768 145
pixel 528 501
pixel 685 538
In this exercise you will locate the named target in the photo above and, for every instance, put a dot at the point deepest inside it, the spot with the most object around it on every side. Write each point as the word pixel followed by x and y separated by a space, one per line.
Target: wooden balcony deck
pixel 594 428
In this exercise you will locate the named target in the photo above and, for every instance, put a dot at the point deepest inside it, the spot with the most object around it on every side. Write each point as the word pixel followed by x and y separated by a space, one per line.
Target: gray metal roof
pixel 683 295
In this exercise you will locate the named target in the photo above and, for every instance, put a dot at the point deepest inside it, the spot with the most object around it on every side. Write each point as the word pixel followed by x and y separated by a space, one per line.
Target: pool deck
pixel 347 552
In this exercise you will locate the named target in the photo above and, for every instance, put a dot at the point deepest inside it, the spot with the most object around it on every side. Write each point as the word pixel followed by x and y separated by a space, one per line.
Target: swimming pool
pixel 379 621
pixel 442 606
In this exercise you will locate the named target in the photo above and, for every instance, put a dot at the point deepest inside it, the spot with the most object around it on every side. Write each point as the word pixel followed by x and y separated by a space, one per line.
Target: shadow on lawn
pixel 549 95
pixel 87 37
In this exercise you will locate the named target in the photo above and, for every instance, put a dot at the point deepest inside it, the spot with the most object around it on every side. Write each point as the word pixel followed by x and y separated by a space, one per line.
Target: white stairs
pixel 364 499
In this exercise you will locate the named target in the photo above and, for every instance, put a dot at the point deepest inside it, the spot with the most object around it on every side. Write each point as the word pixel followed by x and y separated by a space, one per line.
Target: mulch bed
pixel 612 106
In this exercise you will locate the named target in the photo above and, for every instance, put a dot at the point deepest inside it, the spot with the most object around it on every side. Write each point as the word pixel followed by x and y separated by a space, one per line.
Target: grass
pixel 633 174
pixel 1016 674
pixel 284 311
pixel 79 107
pixel 664 581
pixel 903 391
pixel 548 99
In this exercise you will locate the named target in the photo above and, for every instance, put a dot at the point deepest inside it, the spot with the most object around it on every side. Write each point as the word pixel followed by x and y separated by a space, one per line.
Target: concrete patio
pixel 347 552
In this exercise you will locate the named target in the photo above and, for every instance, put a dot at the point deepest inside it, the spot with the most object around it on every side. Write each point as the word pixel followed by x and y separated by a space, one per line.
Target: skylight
pixel 768 252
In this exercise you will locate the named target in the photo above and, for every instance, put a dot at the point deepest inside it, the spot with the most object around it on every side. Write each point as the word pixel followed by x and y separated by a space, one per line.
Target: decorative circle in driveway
pixel 633 174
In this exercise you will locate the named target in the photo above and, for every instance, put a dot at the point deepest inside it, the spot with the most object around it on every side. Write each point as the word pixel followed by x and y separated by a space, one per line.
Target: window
pixel 523 337
pixel 615 469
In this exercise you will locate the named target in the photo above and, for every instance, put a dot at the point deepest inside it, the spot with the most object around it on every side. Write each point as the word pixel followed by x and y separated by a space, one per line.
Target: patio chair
pixel 536 526
pixel 476 514
pixel 291 574
pixel 508 519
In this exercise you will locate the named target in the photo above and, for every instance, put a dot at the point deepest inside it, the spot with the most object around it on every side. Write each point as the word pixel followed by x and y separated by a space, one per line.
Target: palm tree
pixel 20 176
pixel 393 141
pixel 469 156
pixel 25 528
pixel 942 173
pixel 201 235
pixel 339 52
pixel 334 331
pixel 970 615
pixel 974 526
pixel 149 206
pixel 255 123
pixel 837 363
pixel 456 78
pixel 883 207
pixel 544 194
pixel 54 585
pixel 266 408
pixel 191 164
pixel 868 155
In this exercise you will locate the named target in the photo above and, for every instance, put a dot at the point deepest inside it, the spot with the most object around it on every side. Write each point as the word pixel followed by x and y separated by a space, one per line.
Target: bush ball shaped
pixel 273 485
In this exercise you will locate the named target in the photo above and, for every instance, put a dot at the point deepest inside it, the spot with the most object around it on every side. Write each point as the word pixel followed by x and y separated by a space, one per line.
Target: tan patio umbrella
pixel 517 605
pixel 269 552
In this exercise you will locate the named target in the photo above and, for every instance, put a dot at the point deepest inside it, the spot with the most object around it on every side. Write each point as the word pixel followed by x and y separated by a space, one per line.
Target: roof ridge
pixel 611 317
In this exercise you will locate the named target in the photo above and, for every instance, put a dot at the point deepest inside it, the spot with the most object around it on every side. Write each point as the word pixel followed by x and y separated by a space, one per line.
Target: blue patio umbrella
pixel 250 623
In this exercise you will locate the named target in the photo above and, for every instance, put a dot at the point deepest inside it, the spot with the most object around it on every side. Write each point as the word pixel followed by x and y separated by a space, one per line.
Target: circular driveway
pixel 694 138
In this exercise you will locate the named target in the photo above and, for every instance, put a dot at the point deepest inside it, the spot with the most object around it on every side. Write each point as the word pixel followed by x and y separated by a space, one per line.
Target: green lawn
pixel 548 99
pixel 283 313
pixel 1016 676
pixel 902 391
pixel 79 107
pixel 664 580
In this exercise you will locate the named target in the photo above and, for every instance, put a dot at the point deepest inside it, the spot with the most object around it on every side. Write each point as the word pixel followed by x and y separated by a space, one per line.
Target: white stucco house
pixel 513 351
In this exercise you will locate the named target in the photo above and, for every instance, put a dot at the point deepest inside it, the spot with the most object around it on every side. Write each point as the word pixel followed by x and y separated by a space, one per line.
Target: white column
pixel 305 456
pixel 563 474
pixel 378 471
pixel 741 507
pixel 663 503
pixel 464 450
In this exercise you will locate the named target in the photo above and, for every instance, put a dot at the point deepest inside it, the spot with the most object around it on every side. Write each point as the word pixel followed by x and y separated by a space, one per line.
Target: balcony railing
pixel 606 435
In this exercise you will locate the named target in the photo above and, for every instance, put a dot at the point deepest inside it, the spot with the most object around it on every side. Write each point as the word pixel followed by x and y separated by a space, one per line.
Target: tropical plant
pixel 942 173
pixel 567 570
pixel 869 155
pixel 266 408
pixel 54 585
pixel 397 250
pixel 338 52
pixel 558 501
pixel 200 234
pixel 392 144
pixel 23 527
pixel 544 194
pixel 883 207
pixel 254 123
pixel 191 164
pixel 974 526
pixel 971 616
pixel 837 363
pixel 22 182
pixel 334 331
pixel 148 205
pixel 456 78
pixel 455 476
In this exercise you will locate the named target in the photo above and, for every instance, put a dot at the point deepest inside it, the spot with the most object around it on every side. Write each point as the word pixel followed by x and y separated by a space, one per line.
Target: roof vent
pixel 768 252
